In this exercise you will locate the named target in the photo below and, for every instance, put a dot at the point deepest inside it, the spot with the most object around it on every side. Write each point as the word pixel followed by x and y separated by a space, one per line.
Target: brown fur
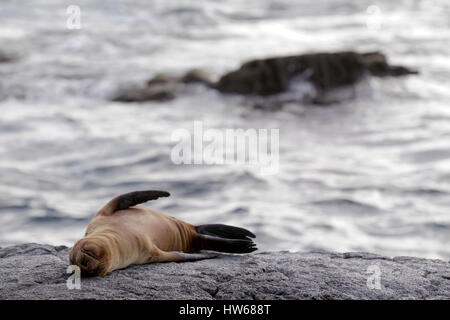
pixel 137 235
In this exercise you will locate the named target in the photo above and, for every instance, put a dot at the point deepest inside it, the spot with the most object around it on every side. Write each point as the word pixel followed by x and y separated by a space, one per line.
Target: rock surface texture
pixel 34 271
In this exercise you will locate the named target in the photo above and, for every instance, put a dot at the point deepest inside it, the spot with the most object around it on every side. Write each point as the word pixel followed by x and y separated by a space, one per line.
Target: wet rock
pixel 273 77
pixel 378 66
pixel 325 71
pixel 5 58
pixel 162 79
pixel 152 92
pixel 197 76
pixel 162 87
pixel 34 271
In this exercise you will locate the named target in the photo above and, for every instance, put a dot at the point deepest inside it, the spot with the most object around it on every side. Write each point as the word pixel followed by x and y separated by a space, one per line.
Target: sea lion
pixel 122 234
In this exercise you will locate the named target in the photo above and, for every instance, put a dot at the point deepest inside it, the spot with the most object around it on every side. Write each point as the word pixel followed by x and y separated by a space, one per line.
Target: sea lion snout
pixel 92 249
pixel 89 257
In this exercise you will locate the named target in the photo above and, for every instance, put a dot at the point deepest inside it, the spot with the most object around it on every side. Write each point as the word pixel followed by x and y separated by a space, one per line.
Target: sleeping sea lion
pixel 122 234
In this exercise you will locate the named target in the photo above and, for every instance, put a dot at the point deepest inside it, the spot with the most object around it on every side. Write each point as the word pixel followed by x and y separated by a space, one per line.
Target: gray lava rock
pixel 35 271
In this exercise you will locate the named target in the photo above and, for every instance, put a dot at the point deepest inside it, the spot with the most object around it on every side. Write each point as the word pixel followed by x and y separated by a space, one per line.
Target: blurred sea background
pixel 368 174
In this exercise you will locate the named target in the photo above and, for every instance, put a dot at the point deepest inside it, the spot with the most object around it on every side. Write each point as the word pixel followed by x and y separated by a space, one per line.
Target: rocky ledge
pixel 35 271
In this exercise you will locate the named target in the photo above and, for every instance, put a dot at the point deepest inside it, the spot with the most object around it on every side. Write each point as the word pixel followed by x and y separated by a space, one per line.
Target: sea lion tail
pixel 223 238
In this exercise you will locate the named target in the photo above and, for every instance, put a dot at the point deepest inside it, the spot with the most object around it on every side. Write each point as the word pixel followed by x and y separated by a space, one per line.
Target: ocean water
pixel 367 174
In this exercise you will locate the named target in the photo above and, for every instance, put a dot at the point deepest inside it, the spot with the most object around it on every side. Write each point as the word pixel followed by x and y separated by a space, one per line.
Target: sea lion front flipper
pixel 177 256
pixel 137 197
pixel 127 200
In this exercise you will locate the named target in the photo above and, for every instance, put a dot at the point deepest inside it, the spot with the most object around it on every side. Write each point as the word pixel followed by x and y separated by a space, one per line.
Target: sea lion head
pixel 90 255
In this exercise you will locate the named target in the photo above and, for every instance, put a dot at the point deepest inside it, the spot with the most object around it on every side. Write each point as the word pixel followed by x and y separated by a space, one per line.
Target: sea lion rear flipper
pixel 224 238
pixel 127 200
pixel 226 245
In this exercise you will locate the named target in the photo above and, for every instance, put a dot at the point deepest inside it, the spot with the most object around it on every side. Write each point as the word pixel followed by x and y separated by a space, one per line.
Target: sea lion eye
pixel 84 262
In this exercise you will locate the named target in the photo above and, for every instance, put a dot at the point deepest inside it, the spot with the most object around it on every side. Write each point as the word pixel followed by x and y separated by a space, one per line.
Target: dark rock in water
pixel 324 70
pixel 5 58
pixel 162 87
pixel 197 76
pixel 152 92
pixel 274 76
pixel 162 79
pixel 378 66
pixel 34 271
